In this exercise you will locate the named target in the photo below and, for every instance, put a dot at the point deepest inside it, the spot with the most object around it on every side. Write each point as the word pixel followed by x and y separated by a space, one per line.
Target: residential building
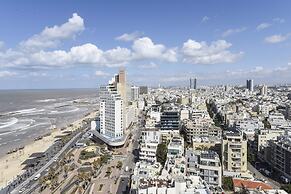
pixel 150 138
pixel 205 164
pixel 234 154
pixel 280 151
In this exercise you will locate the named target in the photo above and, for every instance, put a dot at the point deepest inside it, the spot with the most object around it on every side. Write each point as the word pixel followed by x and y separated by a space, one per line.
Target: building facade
pixel 234 153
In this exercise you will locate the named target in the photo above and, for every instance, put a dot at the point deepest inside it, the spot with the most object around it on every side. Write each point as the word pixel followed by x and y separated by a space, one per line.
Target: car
pixel 284 179
pixel 36 177
pixel 268 173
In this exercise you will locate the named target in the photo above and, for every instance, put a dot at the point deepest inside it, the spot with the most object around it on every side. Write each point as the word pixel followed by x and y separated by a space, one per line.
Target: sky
pixel 83 43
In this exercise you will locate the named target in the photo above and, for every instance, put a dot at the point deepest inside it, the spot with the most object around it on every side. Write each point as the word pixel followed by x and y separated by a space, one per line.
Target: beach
pixel 10 164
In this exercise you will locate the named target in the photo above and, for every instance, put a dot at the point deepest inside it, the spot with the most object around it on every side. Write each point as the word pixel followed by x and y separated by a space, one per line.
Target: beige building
pixel 262 138
pixel 234 154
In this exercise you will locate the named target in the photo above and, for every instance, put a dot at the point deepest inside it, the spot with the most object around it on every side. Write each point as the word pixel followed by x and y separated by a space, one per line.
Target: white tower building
pixel 111 114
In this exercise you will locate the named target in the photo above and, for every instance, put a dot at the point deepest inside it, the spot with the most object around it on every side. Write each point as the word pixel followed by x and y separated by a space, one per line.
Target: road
pixel 131 158
pixel 47 165
pixel 259 175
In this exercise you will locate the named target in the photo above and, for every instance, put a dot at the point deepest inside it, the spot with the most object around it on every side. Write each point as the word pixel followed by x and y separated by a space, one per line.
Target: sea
pixel 26 115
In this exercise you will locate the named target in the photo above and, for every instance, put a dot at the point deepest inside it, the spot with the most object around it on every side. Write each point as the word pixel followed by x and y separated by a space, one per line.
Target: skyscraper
pixel 193 83
pixel 250 85
pixel 111 111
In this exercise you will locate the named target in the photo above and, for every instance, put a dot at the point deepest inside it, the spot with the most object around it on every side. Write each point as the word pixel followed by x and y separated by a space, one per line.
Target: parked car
pixel 284 179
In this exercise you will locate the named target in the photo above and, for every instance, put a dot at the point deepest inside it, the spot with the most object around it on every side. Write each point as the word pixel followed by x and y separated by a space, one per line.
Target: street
pixel 259 175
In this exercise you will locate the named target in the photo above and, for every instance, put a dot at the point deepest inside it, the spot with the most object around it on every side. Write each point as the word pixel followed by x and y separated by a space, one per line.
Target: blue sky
pixel 73 44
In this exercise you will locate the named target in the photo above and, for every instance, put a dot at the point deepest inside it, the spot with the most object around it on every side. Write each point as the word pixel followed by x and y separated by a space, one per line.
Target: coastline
pixel 10 164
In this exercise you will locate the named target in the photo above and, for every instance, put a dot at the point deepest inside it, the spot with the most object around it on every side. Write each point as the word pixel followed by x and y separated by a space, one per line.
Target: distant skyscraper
pixel 264 90
pixel 250 85
pixel 134 93
pixel 193 83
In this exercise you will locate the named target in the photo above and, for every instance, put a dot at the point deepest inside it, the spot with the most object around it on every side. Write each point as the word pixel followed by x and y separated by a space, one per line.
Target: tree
pixel 96 163
pixel 119 165
pixel 161 153
pixel 227 183
pixel 287 188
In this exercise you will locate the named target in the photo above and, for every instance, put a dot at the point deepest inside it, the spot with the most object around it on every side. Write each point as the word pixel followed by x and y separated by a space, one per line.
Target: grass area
pixel 84 155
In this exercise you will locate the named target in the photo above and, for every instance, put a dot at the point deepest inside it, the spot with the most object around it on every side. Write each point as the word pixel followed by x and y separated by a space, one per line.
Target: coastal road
pixel 47 165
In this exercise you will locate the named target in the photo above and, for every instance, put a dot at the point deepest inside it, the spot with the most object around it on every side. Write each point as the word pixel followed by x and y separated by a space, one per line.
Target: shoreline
pixel 10 164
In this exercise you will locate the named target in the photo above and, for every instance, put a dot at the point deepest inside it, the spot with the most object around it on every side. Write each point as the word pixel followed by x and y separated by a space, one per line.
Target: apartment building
pixel 199 127
pixel 234 154
pixel 280 150
pixel 206 164
pixel 262 138
pixel 150 138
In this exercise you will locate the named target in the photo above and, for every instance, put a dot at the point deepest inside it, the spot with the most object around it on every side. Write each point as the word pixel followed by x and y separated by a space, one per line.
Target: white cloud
pixel 276 38
pixel 144 48
pixel 87 54
pixel 279 20
pixel 205 19
pixel 129 37
pixel 151 65
pixel 101 74
pixel 50 37
pixel 263 26
pixel 201 53
pixel 7 74
pixel 233 31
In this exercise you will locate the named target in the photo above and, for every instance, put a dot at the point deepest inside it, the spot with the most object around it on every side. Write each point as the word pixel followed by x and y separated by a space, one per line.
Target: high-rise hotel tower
pixel 111 107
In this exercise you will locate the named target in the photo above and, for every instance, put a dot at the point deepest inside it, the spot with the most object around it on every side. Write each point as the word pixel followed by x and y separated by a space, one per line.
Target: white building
pixel 205 164
pixel 150 138
pixel 111 112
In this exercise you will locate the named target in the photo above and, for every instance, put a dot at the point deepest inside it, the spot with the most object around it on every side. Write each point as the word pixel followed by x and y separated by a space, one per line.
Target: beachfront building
pixel 112 111
pixel 111 123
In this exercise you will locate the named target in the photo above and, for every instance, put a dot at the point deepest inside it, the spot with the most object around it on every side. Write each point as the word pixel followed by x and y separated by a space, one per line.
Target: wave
pixel 6 133
pixel 26 111
pixel 9 123
pixel 64 111
pixel 47 100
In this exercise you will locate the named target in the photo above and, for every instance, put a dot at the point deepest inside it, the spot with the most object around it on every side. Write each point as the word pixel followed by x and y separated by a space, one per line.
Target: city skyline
pixel 82 45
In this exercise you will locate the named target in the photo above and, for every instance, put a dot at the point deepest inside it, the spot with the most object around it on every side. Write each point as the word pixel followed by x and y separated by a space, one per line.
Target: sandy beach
pixel 10 164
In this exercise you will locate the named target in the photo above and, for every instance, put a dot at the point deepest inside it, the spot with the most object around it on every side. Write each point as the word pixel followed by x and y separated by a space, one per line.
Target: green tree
pixel 119 165
pixel 227 183
pixel 161 153
pixel 287 188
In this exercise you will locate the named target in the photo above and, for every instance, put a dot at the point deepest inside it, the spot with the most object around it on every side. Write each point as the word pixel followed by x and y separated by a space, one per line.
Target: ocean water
pixel 28 114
